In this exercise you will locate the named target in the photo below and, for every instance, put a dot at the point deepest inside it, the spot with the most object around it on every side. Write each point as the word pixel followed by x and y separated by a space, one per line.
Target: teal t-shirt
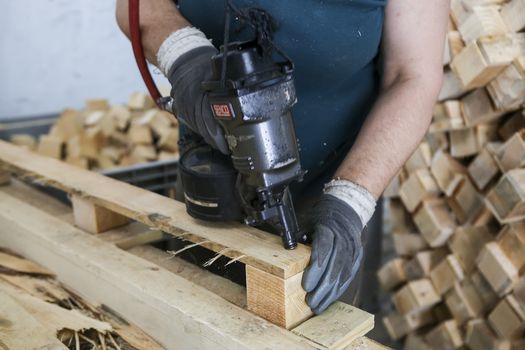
pixel 334 45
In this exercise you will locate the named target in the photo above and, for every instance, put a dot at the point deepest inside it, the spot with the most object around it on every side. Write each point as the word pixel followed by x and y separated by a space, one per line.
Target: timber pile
pixel 457 208
pixel 38 312
pixel 104 137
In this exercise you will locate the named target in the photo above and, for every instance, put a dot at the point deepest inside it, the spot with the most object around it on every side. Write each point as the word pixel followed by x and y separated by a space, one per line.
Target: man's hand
pixel 337 251
pixel 186 58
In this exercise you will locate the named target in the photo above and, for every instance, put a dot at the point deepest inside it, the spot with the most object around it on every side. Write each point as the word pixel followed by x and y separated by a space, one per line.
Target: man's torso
pixel 334 45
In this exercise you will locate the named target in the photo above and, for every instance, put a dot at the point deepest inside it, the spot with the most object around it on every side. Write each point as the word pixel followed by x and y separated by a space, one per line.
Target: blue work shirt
pixel 334 45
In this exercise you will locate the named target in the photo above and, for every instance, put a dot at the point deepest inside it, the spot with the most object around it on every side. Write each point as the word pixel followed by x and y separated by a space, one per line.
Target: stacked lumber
pixel 38 312
pixel 457 208
pixel 103 137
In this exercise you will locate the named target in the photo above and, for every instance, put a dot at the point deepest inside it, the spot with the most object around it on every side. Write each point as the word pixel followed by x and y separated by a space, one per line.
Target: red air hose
pixel 138 50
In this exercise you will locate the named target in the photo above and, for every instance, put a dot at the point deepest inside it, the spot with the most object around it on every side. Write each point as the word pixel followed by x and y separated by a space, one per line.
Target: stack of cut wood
pixel 104 137
pixel 457 208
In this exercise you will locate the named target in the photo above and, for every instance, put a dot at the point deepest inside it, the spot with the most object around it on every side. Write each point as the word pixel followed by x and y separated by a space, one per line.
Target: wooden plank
pixel 257 248
pixel 337 326
pixel 20 330
pixel 280 301
pixel 165 305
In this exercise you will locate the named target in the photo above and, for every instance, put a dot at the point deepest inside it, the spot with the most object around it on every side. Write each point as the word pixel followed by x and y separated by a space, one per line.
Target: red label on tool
pixel 222 111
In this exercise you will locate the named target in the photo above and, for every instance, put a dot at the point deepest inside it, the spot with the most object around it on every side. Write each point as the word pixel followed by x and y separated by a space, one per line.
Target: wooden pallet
pixel 167 305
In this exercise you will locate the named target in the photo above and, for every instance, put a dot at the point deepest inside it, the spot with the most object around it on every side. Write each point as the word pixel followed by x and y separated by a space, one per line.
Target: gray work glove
pixel 336 252
pixel 191 103
pixel 340 215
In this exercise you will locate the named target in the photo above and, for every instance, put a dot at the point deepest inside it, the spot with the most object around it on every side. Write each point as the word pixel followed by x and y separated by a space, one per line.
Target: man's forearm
pixel 395 126
pixel 158 19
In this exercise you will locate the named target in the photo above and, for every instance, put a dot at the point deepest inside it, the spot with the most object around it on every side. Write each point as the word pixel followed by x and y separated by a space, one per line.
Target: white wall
pixel 57 53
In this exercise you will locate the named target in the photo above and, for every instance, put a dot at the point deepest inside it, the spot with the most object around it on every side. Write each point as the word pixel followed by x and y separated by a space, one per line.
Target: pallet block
pixel 415 297
pixel 447 172
pixel 511 154
pixel 419 185
pixel 446 274
pixel 423 262
pixel 506 200
pixel 93 218
pixel 511 240
pixel 466 243
pixel 478 108
pixel 408 244
pixel 482 21
pixel 497 269
pixel 480 336
pixel 447 336
pixel 435 222
pixel 392 274
pixel 483 169
pixel 507 318
pixel 465 201
pixel 512 13
pixel 475 66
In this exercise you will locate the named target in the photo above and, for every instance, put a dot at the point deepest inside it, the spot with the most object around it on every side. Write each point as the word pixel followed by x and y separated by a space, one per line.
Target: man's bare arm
pixel 412 50
pixel 158 19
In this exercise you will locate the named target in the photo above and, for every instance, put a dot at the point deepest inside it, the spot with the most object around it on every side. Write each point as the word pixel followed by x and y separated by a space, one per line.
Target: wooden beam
pixel 258 249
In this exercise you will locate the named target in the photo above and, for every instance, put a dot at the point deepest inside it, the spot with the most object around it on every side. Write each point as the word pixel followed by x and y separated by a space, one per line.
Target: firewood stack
pixel 456 210
pixel 104 137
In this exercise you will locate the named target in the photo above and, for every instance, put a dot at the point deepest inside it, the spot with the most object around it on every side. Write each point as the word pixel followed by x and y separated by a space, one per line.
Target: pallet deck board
pixel 259 249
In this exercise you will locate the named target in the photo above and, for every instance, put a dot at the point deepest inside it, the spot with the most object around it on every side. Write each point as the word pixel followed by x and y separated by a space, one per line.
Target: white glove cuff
pixel 177 44
pixel 357 197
